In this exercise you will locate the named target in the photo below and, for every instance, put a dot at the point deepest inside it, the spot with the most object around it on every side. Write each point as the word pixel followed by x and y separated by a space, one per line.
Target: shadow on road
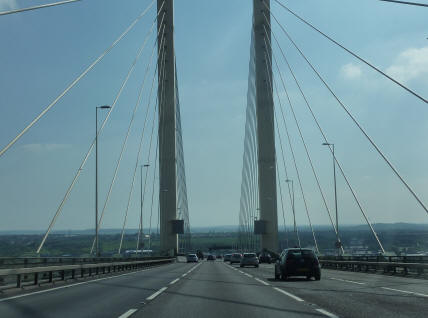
pixel 300 312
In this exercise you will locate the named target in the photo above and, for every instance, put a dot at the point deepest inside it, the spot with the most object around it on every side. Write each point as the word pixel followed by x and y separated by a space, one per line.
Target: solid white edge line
pixel 174 281
pixel 69 286
pixel 160 291
pixel 405 291
pixel 288 294
pixel 128 313
pixel 262 281
pixel 325 312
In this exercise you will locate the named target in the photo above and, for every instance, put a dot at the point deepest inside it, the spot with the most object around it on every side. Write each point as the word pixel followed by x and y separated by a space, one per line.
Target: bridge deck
pixel 213 289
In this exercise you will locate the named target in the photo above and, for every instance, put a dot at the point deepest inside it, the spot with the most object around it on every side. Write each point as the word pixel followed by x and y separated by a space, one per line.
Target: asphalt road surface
pixel 216 289
pixel 356 294
pixel 105 297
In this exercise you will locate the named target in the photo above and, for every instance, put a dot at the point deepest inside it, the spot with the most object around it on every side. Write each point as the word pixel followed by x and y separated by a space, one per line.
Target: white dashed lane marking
pixel 320 310
pixel 288 294
pixel 325 312
pixel 174 281
pixel 262 281
pixel 128 313
pixel 405 291
pixel 153 296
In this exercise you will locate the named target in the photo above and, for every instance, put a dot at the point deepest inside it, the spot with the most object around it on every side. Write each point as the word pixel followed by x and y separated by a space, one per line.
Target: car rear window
pixel 300 254
pixel 249 255
pixel 236 255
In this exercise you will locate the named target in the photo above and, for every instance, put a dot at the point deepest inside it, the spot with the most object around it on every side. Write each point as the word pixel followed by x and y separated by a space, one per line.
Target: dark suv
pixel 297 262
pixel 265 258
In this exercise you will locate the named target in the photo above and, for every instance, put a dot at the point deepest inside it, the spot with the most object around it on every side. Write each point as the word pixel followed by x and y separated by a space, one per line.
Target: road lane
pixel 212 289
pixel 215 290
pixel 355 294
pixel 110 297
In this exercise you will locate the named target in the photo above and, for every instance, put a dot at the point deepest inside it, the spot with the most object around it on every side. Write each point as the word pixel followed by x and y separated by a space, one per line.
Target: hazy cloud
pixel 8 4
pixel 410 64
pixel 351 71
pixel 44 147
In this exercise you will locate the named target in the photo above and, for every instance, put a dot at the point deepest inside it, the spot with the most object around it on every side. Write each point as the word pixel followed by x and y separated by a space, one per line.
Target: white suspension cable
pixel 303 140
pixel 282 203
pixel 137 104
pixel 137 160
pixel 350 52
pixel 76 176
pixel 90 67
pixel 38 7
pixel 145 181
pixel 331 150
pixel 378 150
pixel 293 156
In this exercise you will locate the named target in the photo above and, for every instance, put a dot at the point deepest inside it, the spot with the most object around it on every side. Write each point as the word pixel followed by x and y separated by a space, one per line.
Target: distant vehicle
pixel 200 254
pixel 297 262
pixel 210 258
pixel 192 258
pixel 249 259
pixel 138 252
pixel 235 258
pixel 226 257
pixel 265 258
pixel 219 256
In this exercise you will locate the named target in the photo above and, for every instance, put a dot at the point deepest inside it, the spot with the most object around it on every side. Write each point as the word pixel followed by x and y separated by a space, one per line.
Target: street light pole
pixel 292 204
pixel 335 202
pixel 140 234
pixel 338 243
pixel 141 207
pixel 97 251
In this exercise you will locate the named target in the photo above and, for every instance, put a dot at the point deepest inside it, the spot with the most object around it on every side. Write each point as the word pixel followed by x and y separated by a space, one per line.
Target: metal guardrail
pixel 18 262
pixel 379 258
pixel 62 272
pixel 387 267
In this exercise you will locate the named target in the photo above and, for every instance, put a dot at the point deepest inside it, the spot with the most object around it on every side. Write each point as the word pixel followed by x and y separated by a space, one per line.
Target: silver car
pixel 249 259
pixel 235 258
pixel 192 258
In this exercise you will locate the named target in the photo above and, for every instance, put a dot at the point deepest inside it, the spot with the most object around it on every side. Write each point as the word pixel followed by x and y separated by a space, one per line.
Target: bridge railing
pixel 393 265
pixel 36 275
pixel 379 258
pixel 18 262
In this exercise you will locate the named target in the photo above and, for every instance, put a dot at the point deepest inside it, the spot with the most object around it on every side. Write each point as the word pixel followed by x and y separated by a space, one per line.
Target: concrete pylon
pixel 265 129
pixel 167 129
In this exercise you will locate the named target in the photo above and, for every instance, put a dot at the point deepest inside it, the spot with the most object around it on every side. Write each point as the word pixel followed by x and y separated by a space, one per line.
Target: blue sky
pixel 43 51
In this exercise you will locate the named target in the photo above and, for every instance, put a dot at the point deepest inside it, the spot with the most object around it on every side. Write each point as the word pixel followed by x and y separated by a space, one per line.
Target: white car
pixel 235 258
pixel 192 258
pixel 249 259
